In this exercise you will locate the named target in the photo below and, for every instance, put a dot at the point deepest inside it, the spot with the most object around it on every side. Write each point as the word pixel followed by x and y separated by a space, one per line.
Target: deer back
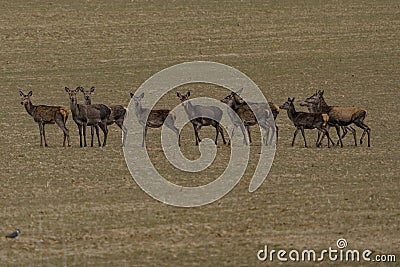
pixel 117 113
pixel 48 113
pixel 346 114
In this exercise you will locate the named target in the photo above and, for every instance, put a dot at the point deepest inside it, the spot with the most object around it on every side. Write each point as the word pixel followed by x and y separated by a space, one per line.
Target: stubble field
pixel 80 206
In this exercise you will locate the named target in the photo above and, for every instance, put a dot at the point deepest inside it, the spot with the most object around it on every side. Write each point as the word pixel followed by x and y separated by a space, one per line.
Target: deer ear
pixel 30 93
pixel 322 92
pixel 92 89
pixel 79 89
pixel 188 93
pixel 21 93
pixel 178 94
pixel 141 95
pixel 67 89
pixel 132 94
pixel 239 91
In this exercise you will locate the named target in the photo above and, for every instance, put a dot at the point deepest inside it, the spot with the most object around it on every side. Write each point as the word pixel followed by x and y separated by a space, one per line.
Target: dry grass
pixel 81 207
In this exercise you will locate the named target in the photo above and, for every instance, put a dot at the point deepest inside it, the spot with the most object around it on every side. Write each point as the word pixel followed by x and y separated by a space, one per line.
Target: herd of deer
pixel 321 116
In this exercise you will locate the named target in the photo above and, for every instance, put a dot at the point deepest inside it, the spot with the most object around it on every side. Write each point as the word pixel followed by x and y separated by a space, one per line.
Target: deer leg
pixel 329 138
pixel 294 136
pixel 304 137
pixel 277 131
pixel 344 129
pixel 91 133
pixel 195 134
pixel 242 128
pixel 248 132
pixel 123 128
pixel 175 130
pixel 366 130
pixel 60 122
pixel 40 132
pixel 80 135
pixel 273 128
pixel 97 134
pixel 353 131
pixel 103 126
pixel 318 137
pixel 44 135
pixel 222 133
pixel 233 133
pixel 216 134
pixel 124 132
pixel 84 135
pixel 337 127
pixel 144 132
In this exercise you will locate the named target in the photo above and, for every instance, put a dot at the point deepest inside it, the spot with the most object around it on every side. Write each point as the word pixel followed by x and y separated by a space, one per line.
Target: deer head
pixel 287 104
pixel 25 98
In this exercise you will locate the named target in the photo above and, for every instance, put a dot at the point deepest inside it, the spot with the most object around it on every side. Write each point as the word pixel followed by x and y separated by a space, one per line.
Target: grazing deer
pixel 46 115
pixel 88 115
pixel 304 120
pixel 245 113
pixel 201 116
pixel 117 115
pixel 342 116
pixel 154 118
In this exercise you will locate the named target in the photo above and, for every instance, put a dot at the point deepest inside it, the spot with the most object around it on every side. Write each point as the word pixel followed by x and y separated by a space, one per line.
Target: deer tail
pixel 65 114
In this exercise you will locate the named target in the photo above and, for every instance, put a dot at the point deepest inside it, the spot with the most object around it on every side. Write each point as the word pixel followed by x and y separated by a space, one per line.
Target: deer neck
pixel 235 104
pixel 138 109
pixel 323 106
pixel 29 107
pixel 291 112
pixel 88 102
pixel 189 109
pixel 74 108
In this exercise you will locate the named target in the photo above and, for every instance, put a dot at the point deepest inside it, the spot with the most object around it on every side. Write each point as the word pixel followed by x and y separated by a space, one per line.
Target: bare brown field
pixel 81 207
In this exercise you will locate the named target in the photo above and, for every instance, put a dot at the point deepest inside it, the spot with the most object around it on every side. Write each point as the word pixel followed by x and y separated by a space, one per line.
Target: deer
pixel 117 115
pixel 342 116
pixel 201 116
pixel 88 115
pixel 245 113
pixel 312 107
pixel 154 118
pixel 305 120
pixel 46 115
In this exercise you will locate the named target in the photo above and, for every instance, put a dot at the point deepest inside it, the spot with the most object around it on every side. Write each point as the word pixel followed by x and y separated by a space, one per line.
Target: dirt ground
pixel 81 207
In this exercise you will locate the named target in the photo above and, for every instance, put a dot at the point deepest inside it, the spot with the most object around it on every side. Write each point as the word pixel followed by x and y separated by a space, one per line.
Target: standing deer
pixel 88 115
pixel 46 115
pixel 245 113
pixel 117 115
pixel 154 118
pixel 342 116
pixel 304 120
pixel 201 116
pixel 312 107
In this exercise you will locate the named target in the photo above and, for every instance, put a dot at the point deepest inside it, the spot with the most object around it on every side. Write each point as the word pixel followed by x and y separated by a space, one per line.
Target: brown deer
pixel 154 118
pixel 235 102
pixel 88 115
pixel 46 115
pixel 305 120
pixel 117 115
pixel 195 114
pixel 342 116
pixel 312 107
